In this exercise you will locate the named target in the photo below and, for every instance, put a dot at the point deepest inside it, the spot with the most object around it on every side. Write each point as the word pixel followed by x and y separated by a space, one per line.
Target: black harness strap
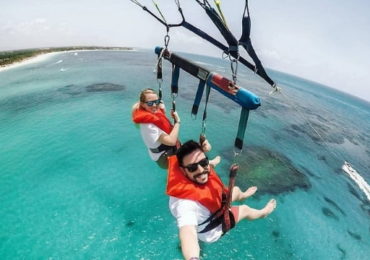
pixel 186 65
pixel 246 42
pixel 228 36
pixel 243 120
pixel 175 84
pixel 198 97
pixel 159 74
pixel 162 148
pixel 224 214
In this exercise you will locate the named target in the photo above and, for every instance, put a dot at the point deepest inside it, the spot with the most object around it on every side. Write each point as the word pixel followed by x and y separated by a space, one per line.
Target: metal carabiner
pixel 166 40
pixel 234 69
pixel 236 154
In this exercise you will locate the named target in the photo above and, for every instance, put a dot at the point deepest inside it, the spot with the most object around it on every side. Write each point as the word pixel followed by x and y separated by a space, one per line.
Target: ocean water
pixel 76 181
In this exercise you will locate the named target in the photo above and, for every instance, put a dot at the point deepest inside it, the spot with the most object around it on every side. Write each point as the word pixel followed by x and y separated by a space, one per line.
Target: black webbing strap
pixel 228 36
pixel 241 128
pixel 205 36
pixel 218 44
pixel 208 91
pixel 224 214
pixel 246 42
pixel 188 66
pixel 175 79
pixel 162 148
pixel 159 74
pixel 198 97
pixel 229 220
pixel 221 46
pixel 215 218
pixel 175 84
pixel 159 67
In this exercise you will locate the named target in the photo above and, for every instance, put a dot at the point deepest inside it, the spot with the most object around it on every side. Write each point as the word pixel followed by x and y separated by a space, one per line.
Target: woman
pixel 159 135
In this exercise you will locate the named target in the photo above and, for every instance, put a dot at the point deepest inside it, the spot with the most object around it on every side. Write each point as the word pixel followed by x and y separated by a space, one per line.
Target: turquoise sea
pixel 76 181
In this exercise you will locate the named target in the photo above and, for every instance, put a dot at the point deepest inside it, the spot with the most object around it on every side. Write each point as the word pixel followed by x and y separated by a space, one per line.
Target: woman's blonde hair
pixel 145 92
pixel 142 97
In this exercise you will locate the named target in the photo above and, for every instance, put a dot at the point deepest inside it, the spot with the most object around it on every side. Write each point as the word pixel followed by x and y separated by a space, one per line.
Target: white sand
pixel 34 59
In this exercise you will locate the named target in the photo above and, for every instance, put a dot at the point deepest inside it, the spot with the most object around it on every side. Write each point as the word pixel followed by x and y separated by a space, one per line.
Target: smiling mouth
pixel 200 175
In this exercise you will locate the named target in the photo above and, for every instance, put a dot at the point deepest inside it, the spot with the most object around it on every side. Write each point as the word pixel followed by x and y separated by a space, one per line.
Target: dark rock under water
pixel 102 87
pixel 344 253
pixel 275 233
pixel 270 171
pixel 327 212
pixel 130 223
pixel 354 235
pixel 335 205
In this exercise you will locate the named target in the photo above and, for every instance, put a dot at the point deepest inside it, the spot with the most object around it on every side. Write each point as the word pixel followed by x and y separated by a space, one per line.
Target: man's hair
pixel 185 149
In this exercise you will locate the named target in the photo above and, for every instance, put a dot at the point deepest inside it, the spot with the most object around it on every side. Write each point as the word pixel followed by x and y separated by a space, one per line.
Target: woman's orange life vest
pixel 159 119
pixel 179 186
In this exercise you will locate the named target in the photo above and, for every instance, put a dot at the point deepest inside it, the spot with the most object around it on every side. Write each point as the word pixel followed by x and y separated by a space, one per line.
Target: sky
pixel 326 41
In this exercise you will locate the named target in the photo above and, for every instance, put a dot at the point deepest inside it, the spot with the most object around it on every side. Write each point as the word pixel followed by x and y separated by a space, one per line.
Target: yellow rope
pixel 218 5
pixel 156 6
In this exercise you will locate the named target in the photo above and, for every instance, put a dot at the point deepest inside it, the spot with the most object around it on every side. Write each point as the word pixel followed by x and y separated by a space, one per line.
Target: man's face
pixel 196 167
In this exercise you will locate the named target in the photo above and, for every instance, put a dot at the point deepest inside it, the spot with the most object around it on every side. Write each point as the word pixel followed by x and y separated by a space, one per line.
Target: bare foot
pixel 270 206
pixel 206 146
pixel 215 161
pixel 249 192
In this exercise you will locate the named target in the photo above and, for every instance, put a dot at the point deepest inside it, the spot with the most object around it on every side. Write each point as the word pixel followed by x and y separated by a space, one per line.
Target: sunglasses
pixel 194 166
pixel 151 103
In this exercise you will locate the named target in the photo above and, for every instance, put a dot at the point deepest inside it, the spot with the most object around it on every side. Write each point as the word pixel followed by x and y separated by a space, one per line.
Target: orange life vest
pixel 159 119
pixel 179 186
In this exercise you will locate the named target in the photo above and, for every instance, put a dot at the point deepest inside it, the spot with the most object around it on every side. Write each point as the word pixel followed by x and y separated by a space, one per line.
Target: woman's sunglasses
pixel 151 103
pixel 194 166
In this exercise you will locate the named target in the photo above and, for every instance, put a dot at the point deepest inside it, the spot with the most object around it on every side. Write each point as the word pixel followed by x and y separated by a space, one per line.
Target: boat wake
pixel 356 177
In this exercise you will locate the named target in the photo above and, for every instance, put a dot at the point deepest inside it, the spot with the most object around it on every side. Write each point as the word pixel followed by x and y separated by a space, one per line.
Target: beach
pixel 27 61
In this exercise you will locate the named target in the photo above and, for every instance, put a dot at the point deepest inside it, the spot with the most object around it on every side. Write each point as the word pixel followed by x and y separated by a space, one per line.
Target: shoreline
pixel 41 56
pixel 34 59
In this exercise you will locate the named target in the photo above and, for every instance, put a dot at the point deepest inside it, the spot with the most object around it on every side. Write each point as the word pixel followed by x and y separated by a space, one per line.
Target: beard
pixel 197 176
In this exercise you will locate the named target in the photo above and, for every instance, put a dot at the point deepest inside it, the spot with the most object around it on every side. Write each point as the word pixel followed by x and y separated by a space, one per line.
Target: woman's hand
pixel 175 117
pixel 162 106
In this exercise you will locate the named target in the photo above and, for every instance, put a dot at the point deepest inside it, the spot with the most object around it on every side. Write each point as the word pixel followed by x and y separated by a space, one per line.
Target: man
pixel 195 193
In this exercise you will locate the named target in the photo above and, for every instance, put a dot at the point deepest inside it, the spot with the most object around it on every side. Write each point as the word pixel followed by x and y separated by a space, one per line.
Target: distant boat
pixel 76 53
pixel 356 177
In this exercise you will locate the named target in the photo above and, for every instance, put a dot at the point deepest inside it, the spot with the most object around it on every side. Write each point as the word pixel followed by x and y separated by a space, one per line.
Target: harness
pixel 164 147
pixel 223 215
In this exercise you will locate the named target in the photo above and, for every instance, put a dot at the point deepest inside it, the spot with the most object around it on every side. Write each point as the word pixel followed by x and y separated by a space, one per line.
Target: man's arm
pixel 189 242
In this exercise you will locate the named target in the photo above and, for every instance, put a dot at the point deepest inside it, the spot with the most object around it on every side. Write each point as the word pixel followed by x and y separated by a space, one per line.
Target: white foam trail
pixel 59 61
pixel 356 177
